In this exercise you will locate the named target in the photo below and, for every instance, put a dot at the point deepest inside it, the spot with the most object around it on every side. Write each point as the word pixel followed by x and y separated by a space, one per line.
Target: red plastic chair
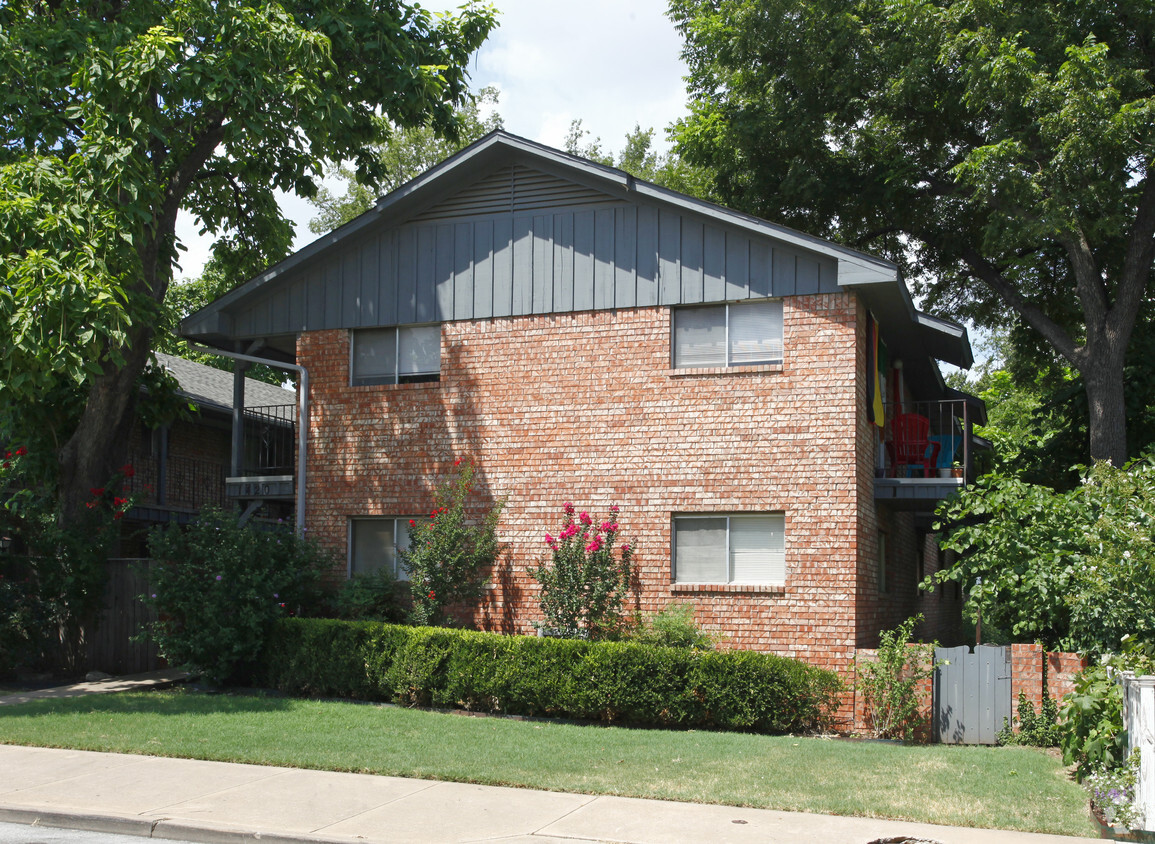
pixel 911 445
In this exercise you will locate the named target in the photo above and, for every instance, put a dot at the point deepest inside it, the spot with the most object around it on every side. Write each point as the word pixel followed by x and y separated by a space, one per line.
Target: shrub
pixel 673 627
pixel 217 586
pixel 449 555
pixel 1091 718
pixel 890 684
pixel 584 586
pixel 368 597
pixel 50 591
pixel 614 682
pixel 1035 730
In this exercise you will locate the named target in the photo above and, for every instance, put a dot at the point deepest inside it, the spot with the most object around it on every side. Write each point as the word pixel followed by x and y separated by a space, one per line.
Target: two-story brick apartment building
pixel 588 337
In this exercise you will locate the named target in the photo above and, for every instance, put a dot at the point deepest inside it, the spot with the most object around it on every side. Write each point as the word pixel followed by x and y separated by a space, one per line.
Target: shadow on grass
pixel 168 702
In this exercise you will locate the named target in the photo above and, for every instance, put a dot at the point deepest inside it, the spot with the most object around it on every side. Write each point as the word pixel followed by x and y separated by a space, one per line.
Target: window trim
pixel 397 377
pixel 729 584
pixel 728 364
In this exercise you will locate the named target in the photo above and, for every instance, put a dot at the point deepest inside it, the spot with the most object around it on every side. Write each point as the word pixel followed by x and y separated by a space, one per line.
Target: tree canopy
pixel 115 114
pixel 1001 151
pixel 1073 569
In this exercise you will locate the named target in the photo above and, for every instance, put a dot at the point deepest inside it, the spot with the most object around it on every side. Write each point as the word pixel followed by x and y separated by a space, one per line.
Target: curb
pixel 159 828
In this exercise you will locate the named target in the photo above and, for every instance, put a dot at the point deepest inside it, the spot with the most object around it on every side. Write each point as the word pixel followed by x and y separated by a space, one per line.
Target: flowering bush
pixel 51 575
pixel 585 584
pixel 1112 793
pixel 217 587
pixel 449 555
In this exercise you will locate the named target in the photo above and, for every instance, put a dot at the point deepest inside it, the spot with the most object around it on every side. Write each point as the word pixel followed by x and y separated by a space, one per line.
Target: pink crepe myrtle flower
pixel 568 508
pixel 595 545
pixel 585 519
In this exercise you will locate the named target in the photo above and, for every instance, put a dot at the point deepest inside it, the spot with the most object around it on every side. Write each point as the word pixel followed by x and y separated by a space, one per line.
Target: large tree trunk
pixel 99 446
pixel 1106 407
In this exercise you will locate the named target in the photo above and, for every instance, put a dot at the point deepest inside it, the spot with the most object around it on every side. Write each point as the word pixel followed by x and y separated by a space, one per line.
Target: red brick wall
pixel 585 408
pixel 1027 673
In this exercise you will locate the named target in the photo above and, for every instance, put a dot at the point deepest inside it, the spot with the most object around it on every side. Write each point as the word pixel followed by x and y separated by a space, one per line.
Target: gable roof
pixel 212 389
pixel 508 226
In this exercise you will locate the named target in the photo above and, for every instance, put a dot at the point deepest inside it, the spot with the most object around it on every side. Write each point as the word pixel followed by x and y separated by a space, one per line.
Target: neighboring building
pixel 181 468
pixel 588 337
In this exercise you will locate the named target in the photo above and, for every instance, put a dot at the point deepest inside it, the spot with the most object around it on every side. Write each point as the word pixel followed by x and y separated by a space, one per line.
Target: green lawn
pixel 1012 788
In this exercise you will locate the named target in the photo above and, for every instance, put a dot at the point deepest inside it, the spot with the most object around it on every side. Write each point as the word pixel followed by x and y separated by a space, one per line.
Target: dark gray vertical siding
pixel 542 263
pixel 669 258
pixel 583 261
pixel 463 271
pixel 522 265
pixel 332 297
pixel 604 258
pixel 369 293
pixel 443 274
pixel 760 270
pixel 502 266
pixel 737 276
pixel 426 304
pixel 713 264
pixel 349 283
pixel 407 275
pixel 387 283
pixel 563 257
pixel 784 275
pixel 808 276
pixel 541 260
pixel 483 269
pixel 625 257
pixel 647 256
pixel 692 246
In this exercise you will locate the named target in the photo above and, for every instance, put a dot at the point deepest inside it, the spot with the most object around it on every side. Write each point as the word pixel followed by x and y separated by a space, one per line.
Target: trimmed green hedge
pixel 618 682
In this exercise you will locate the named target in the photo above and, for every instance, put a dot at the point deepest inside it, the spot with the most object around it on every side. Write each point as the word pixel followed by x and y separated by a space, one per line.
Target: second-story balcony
pixel 927 451
pixel 270 451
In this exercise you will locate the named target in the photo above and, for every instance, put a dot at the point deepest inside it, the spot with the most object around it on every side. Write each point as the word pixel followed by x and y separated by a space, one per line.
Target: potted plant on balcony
pixel 956 470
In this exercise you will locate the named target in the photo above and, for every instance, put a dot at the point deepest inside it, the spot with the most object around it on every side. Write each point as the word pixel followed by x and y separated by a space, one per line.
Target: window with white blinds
pixel 374 544
pixel 741 549
pixel 403 355
pixel 737 334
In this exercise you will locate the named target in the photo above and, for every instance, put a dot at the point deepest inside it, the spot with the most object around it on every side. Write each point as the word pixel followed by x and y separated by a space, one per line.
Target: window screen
pixel 374 544
pixel 730 549
pixel 401 355
pixel 737 334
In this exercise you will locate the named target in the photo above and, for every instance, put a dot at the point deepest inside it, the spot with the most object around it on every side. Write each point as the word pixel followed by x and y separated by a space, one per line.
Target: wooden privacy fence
pixel 109 644
pixel 972 693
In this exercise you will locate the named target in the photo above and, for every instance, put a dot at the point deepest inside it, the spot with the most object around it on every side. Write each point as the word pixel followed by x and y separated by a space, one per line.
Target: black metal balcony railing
pixel 270 440
pixel 184 483
pixel 949 448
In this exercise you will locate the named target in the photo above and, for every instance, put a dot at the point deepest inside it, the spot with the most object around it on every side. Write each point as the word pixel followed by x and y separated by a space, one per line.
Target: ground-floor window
pixel 374 543
pixel 738 548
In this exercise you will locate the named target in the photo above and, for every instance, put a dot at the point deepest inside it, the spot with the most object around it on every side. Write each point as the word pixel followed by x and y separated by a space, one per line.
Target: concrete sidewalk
pixel 199 801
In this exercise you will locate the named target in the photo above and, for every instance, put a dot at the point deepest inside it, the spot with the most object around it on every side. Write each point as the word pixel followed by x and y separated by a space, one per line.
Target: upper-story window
pixel 402 355
pixel 737 334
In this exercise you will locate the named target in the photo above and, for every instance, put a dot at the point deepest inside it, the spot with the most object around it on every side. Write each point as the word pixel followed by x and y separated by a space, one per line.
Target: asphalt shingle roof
pixel 209 387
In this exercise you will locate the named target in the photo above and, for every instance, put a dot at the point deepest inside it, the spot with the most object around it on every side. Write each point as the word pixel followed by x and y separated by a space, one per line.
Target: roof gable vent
pixel 515 189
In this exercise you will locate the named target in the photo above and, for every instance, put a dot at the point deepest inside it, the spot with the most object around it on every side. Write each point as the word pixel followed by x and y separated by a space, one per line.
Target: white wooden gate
pixel 972 693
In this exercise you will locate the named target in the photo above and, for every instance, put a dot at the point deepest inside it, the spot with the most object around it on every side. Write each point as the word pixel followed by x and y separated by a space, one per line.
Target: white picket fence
pixel 1139 722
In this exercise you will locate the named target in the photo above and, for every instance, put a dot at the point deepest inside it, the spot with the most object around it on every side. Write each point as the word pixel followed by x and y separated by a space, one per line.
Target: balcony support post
pixel 237 464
